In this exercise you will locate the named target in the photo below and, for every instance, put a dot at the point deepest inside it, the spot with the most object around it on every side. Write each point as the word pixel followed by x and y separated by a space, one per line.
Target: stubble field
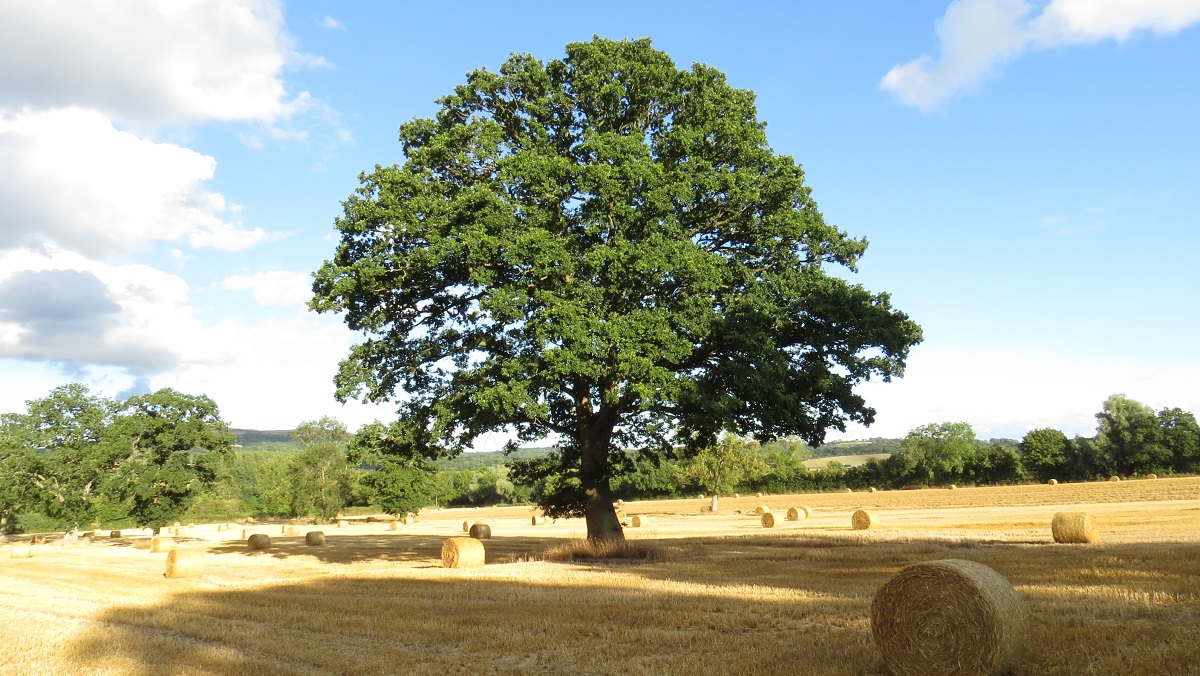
pixel 723 595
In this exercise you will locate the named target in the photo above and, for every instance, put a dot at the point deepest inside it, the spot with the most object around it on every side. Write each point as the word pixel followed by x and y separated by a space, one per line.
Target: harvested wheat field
pixel 715 593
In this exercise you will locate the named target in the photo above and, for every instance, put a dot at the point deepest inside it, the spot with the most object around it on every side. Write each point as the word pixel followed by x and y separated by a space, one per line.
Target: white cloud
pixel 70 177
pixel 276 287
pixel 979 35
pixel 332 24
pixel 148 62
pixel 1006 393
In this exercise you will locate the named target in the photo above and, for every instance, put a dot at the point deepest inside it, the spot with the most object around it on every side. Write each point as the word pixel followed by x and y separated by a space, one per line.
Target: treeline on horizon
pixel 76 460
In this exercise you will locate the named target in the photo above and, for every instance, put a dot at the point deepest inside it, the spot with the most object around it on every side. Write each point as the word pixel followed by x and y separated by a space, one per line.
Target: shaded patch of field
pixel 722 595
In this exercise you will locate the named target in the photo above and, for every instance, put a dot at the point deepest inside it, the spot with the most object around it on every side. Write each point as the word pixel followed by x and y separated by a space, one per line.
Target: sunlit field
pixel 720 594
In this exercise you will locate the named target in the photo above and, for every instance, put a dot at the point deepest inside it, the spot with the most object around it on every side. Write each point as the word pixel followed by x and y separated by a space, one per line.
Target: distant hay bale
pixel 949 617
pixel 736 495
pixel 114 534
pixel 797 513
pixel 291 531
pixel 768 520
pixel 466 526
pixel 847 489
pixel 862 520
pixel 481 531
pixel 342 524
pixel 38 540
pixel 1052 482
pixel 758 495
pixel 179 532
pixel 191 525
pixel 394 525
pixel 314 538
pixel 185 563
pixel 258 541
pixel 636 521
pixel 410 519
pixel 20 550
pixel 1151 476
pixel 1114 478
pixel 952 487
pixel 538 520
pixel 462 552
pixel 162 543
pixel 871 489
pixel 761 509
pixel 1075 528
pixel 620 503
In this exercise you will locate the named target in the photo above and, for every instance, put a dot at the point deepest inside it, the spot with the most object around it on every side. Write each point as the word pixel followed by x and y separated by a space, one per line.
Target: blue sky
pixel 1025 172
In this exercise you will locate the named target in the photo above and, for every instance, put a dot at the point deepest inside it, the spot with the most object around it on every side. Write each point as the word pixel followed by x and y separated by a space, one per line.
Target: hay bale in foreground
pixel 1114 478
pixel 1052 482
pixel 862 520
pixel 768 520
pixel 258 541
pixel 1075 528
pixel 761 509
pixel 162 543
pixel 636 521
pixel 185 563
pixel 480 531
pixel 20 550
pixel 314 538
pixel 949 617
pixel 462 552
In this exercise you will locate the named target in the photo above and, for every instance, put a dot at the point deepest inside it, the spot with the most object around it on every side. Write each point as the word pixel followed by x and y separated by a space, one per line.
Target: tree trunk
pixel 714 503
pixel 601 516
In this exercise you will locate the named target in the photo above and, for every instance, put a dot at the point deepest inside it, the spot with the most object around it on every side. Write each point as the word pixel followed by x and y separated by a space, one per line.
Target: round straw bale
pixel 761 509
pixel 258 541
pixel 410 519
pixel 191 525
pixel 185 563
pixel 1052 482
pixel 314 538
pixel 637 521
pixel 480 531
pixel 793 514
pixel 466 526
pixel 871 489
pixel 162 543
pixel 620 503
pixel 1074 528
pixel 758 495
pixel 292 532
pixel 768 520
pixel 114 534
pixel 342 524
pixel 176 524
pixel 862 520
pixel 736 495
pixel 38 540
pixel 1151 476
pixel 20 550
pixel 538 520
pixel 847 489
pixel 949 617
pixel 462 553
pixel 1114 478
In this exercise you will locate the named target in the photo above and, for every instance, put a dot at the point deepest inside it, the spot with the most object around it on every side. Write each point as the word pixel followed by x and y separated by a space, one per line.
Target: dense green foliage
pixel 604 249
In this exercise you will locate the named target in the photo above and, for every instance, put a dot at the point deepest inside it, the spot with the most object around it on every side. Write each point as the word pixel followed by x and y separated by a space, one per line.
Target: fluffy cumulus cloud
pixel 147 62
pixel 979 35
pixel 275 287
pixel 69 176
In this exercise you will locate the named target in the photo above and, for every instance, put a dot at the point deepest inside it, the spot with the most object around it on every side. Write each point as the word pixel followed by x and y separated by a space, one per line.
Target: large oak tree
pixel 605 250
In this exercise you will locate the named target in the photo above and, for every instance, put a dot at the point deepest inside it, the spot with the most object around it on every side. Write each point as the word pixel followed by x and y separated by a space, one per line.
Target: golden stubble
pixel 724 597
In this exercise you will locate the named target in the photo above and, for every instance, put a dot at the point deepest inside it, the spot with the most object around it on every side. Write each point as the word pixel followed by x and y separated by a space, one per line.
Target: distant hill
pixel 265 440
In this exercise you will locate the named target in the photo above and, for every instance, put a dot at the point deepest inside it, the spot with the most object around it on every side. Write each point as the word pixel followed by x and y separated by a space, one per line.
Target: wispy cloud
pixel 332 24
pixel 977 36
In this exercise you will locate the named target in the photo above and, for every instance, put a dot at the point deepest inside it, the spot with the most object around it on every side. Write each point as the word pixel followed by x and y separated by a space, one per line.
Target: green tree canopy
pixel 1130 436
pixel 939 451
pixel 1044 453
pixel 719 468
pixel 602 249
